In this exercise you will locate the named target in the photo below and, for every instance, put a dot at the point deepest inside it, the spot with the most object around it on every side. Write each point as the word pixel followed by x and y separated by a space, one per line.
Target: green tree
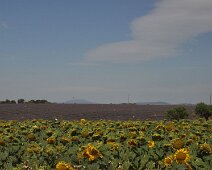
pixel 21 100
pixel 203 110
pixel 12 102
pixel 7 101
pixel 177 113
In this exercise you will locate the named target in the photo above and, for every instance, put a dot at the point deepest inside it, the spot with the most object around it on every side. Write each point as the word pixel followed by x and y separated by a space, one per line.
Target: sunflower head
pixel 160 126
pixel 113 146
pixel 182 156
pixel 74 139
pixel 195 138
pixel 63 166
pixel 85 133
pixel 177 143
pixel 168 160
pixel 111 140
pixel 205 148
pixel 151 144
pixel 183 135
pixel 169 126
pixel 31 137
pixel 82 121
pixel 156 136
pixel 34 148
pixel 2 143
pixel 64 139
pixel 91 153
pixel 51 140
pixel 132 143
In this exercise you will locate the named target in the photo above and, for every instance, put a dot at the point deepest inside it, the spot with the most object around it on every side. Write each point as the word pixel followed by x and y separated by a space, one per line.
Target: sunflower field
pixel 112 145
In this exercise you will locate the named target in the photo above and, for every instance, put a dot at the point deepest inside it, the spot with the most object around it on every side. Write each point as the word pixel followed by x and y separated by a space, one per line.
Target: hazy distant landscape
pixel 85 111
pixel 105 85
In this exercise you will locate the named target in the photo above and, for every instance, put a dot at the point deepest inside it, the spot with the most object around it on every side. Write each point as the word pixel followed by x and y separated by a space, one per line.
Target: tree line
pixel 201 109
pixel 21 101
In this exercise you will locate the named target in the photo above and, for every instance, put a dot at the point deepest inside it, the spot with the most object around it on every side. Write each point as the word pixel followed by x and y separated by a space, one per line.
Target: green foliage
pixel 7 101
pixel 177 113
pixel 203 110
pixel 38 101
pixel 42 144
pixel 20 101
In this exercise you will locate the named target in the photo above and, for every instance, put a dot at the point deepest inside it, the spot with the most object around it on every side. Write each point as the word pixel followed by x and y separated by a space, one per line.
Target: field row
pixel 68 145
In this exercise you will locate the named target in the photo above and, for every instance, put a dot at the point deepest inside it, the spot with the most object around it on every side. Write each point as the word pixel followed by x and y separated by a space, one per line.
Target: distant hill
pixel 79 101
pixel 153 103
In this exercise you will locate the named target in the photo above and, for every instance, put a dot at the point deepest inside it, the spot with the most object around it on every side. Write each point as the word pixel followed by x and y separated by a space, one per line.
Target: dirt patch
pixel 86 111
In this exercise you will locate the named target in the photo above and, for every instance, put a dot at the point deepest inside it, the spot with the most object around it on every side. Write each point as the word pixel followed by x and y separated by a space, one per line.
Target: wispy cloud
pixel 160 33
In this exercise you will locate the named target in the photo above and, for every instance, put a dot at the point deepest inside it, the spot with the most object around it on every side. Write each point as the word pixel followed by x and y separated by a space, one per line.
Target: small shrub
pixel 20 101
pixel 203 110
pixel 177 113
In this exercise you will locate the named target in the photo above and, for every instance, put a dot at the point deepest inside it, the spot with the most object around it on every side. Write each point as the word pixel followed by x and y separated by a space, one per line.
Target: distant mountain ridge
pixel 79 101
pixel 153 103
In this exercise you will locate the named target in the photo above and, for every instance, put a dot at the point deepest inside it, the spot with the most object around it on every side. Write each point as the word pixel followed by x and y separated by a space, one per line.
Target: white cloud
pixel 160 33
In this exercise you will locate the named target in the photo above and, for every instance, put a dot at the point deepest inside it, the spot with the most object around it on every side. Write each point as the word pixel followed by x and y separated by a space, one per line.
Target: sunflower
pixel 34 148
pixel 64 139
pixel 74 139
pixel 169 126
pixel 85 133
pixel 91 153
pixel 151 144
pixel 113 146
pixel 156 136
pixel 160 126
pixel 183 135
pixel 132 135
pixel 82 121
pixel 182 156
pixel 31 137
pixel 43 127
pixel 195 138
pixel 2 143
pixel 168 160
pixel 177 143
pixel 111 140
pixel 51 140
pixel 132 142
pixel 205 148
pixel 63 166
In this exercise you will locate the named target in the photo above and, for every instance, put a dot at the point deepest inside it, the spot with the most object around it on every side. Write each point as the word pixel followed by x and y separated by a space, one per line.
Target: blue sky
pixel 103 51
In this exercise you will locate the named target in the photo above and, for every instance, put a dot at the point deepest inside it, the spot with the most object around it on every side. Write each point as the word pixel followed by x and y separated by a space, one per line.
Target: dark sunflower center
pixel 181 156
